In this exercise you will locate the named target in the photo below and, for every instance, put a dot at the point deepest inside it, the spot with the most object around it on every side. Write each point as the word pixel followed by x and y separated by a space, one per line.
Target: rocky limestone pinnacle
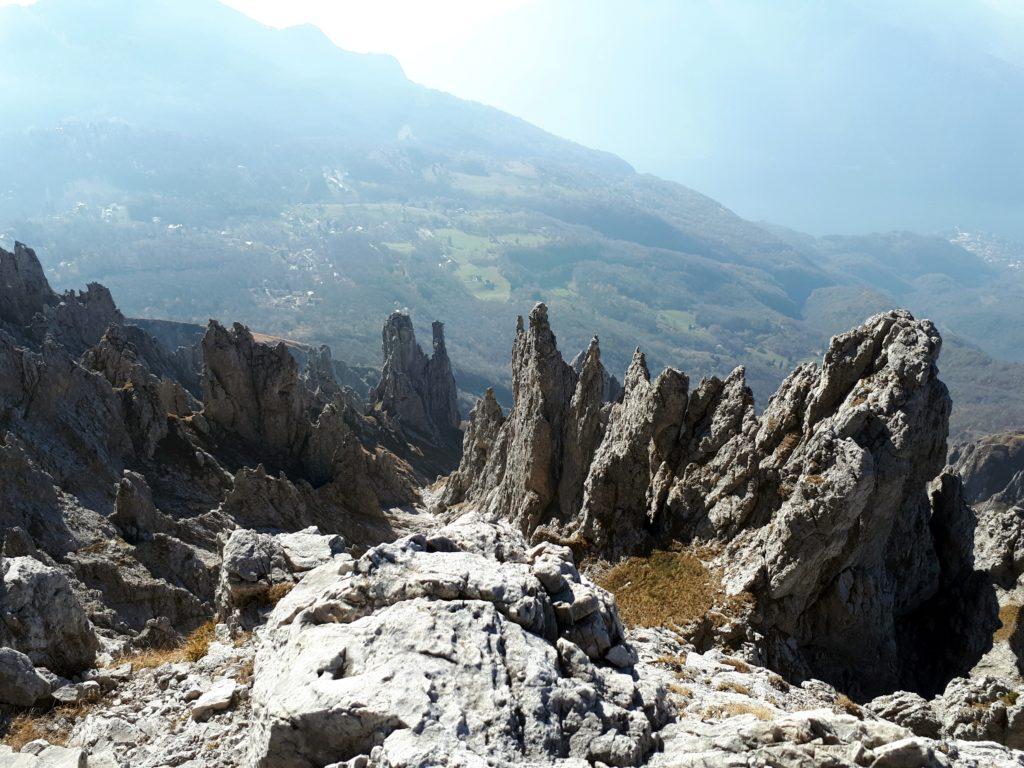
pixel 415 391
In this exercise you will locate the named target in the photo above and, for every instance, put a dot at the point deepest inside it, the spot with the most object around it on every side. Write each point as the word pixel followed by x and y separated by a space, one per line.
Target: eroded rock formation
pixel 820 505
pixel 417 392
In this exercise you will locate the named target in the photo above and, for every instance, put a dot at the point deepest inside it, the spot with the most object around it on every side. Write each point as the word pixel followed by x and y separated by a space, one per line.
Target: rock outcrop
pixel 252 392
pixel 259 568
pixel 452 649
pixel 41 617
pixel 254 397
pixel 820 505
pixel 991 471
pixel 538 460
pixel 416 392
pixel 32 311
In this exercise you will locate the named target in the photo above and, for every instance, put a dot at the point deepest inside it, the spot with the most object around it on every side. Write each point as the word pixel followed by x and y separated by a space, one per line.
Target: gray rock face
pixel 252 391
pixel 319 375
pixel 480 661
pixel 252 394
pixel 611 388
pixel 32 311
pixel 20 684
pixel 67 419
pixel 992 475
pixel 23 286
pixel 145 399
pixel 255 563
pixel 992 468
pixel 481 436
pixel 417 392
pixel 41 617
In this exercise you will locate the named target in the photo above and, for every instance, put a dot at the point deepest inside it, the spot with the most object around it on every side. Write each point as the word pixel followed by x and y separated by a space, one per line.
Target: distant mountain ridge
pixel 202 165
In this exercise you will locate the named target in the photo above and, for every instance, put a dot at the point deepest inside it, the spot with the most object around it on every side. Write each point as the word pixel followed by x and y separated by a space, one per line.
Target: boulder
pixel 258 568
pixel 20 684
pixel 41 617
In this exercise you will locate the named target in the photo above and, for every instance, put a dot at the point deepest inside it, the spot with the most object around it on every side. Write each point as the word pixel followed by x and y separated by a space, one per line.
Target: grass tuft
pixel 732 685
pixel 845 704
pixel 664 589
pixel 738 664
pixel 1009 614
pixel 277 592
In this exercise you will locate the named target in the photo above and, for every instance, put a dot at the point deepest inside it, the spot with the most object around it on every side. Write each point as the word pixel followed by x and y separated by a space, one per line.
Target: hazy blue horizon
pixel 823 117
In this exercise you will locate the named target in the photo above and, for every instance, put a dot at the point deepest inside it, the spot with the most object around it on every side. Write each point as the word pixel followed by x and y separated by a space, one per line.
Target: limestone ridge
pixel 253 397
pixel 417 392
pixel 119 488
pixel 357 636
pixel 33 311
pixel 820 503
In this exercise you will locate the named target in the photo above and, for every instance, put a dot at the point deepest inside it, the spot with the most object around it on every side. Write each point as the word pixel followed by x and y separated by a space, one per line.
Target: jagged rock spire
pixel 23 286
pixel 417 392
pixel 611 389
pixel 31 311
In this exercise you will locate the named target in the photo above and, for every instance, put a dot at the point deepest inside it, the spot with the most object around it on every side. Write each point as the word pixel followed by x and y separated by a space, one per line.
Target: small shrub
pixel 789 442
pixel 814 479
pixel 778 682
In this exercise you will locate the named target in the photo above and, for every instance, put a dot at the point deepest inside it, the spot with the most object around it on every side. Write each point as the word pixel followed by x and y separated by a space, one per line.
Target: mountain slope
pixel 201 165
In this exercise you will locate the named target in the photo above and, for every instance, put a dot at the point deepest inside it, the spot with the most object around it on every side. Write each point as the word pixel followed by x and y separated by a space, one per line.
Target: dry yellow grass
pixel 194 647
pixel 198 642
pixel 732 685
pixel 1008 615
pixel 681 690
pixel 277 592
pixel 735 708
pixel 738 664
pixel 742 708
pixel 845 704
pixel 675 663
pixel 26 727
pixel 664 589
pixel 52 723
